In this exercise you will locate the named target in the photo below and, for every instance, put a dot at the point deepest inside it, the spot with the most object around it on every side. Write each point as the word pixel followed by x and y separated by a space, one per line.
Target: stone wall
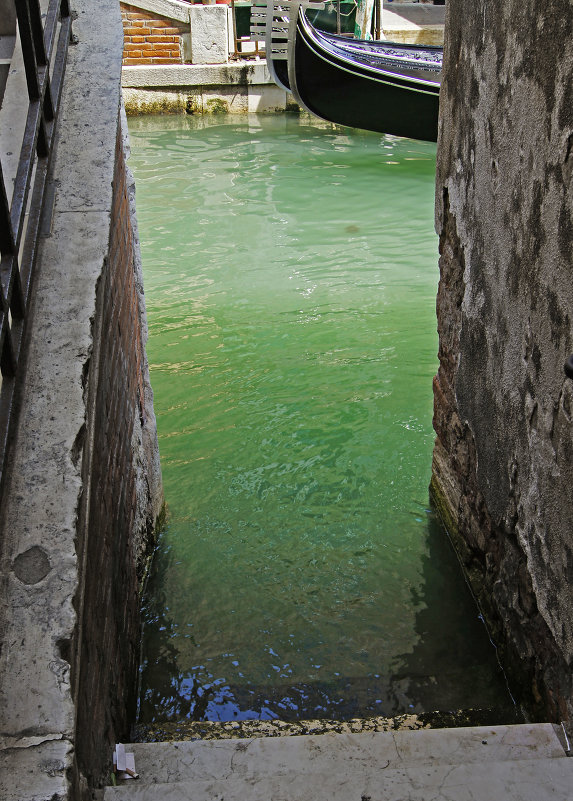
pixel 83 486
pixel 235 88
pixel 503 460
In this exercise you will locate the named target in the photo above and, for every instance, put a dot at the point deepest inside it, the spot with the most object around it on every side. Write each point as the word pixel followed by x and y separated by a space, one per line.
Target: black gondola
pixel 378 86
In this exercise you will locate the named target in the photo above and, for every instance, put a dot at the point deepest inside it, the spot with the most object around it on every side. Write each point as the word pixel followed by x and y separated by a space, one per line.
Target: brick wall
pixel 150 38
pixel 117 539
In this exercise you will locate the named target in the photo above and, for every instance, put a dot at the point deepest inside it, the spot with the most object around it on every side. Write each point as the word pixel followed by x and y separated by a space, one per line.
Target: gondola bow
pixel 378 86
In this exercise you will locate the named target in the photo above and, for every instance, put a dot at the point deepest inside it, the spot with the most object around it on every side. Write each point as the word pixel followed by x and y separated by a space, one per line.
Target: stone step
pixel 512 780
pixel 274 767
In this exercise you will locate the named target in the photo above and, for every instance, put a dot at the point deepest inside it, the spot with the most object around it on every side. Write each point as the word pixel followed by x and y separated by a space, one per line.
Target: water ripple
pixel 291 274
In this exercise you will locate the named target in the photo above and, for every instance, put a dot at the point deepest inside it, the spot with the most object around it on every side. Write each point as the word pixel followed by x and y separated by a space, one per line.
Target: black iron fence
pixel 44 36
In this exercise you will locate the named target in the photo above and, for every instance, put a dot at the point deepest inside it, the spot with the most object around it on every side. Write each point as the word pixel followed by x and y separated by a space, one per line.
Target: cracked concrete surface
pixel 39 565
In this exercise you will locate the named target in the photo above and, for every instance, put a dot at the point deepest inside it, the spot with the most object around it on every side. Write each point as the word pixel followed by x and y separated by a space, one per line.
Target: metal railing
pixel 44 35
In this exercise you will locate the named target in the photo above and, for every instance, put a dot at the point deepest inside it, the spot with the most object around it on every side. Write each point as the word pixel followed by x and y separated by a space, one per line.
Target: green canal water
pixel 290 275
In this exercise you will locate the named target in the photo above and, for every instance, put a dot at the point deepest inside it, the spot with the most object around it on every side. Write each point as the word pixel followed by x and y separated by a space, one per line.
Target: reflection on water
pixel 291 274
pixel 450 667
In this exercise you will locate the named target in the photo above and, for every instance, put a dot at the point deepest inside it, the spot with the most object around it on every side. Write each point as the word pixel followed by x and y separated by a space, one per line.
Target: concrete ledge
pixel 172 9
pixel 239 73
pixel 237 88
pixel 267 99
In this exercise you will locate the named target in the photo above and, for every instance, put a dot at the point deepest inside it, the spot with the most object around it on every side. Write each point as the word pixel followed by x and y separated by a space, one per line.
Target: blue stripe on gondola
pixel 430 56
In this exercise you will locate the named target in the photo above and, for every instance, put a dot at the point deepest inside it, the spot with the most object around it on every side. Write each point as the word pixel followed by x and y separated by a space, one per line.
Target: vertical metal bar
pixel 9 273
pixel 12 286
pixel 7 361
pixel 50 26
pixel 3 331
pixel 17 237
pixel 35 214
pixel 338 21
pixel 7 365
pixel 60 61
pixel 20 219
pixel 37 31
pixel 24 171
pixel 48 34
pixel 57 12
pixel 48 104
pixel 6 233
pixel 42 147
pixel 27 41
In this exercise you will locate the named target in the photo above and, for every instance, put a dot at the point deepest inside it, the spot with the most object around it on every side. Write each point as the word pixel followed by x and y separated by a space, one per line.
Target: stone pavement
pixel 498 763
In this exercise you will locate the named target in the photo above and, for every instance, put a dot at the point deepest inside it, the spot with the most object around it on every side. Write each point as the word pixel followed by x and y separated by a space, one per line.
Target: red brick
pixel 133 30
pixel 162 38
pixel 166 27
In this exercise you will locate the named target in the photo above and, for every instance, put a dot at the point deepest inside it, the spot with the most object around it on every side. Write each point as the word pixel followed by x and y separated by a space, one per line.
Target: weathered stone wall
pixel 83 487
pixel 235 88
pixel 503 461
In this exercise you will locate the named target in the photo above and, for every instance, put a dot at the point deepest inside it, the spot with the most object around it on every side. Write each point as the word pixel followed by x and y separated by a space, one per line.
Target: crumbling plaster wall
pixel 503 461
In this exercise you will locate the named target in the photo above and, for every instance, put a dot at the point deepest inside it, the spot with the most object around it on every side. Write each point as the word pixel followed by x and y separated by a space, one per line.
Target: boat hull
pixel 362 91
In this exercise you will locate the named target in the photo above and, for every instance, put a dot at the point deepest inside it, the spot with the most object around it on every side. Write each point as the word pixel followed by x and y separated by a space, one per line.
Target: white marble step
pixel 280 767
pixel 513 780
